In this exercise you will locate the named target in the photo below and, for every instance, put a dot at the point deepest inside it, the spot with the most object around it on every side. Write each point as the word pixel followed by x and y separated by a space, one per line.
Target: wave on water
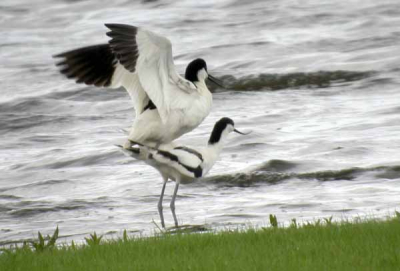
pixel 9 197
pixel 28 208
pixel 320 79
pixel 101 158
pixel 31 185
pixel 277 171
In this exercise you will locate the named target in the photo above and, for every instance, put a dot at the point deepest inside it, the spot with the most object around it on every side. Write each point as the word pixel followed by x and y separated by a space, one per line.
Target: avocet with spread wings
pixel 166 104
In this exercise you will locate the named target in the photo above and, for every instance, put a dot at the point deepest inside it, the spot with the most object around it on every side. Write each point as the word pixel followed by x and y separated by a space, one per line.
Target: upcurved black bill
pixel 215 81
pixel 239 132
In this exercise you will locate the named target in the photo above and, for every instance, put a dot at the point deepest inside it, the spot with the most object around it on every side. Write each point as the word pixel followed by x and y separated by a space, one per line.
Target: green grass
pixel 368 245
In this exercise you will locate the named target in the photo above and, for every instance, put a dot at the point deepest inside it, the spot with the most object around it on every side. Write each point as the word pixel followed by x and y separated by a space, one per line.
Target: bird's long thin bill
pixel 239 132
pixel 215 81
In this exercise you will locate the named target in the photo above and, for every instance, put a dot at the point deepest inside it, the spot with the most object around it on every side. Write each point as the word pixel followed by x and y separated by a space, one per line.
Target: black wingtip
pixel 116 27
pixel 111 25
pixel 123 44
pixel 108 25
pixel 108 34
pixel 60 55
pixel 92 65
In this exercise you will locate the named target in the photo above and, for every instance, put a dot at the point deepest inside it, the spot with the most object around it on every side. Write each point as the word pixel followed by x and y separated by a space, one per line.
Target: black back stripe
pixel 198 171
pixel 92 65
pixel 192 151
pixel 123 44
pixel 169 155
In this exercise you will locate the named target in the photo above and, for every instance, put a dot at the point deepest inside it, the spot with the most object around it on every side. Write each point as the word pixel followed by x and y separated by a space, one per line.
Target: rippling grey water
pixel 316 81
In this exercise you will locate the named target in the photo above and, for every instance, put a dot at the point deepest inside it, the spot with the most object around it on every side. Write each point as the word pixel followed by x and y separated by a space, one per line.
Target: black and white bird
pixel 182 163
pixel 166 104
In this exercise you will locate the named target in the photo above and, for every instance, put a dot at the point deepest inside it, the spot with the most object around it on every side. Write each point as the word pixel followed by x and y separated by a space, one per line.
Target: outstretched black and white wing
pixel 137 59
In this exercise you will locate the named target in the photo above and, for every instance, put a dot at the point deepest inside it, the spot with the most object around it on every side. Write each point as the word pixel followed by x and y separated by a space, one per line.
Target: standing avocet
pixel 183 163
pixel 166 104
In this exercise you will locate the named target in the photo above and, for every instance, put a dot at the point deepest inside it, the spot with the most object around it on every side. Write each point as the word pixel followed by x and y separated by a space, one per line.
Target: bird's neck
pixel 215 148
pixel 201 86
pixel 204 100
pixel 211 153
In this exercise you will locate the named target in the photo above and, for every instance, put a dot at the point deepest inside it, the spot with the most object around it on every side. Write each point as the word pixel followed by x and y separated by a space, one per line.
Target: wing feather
pixel 131 83
pixel 98 65
pixel 90 65
pixel 149 56
pixel 123 38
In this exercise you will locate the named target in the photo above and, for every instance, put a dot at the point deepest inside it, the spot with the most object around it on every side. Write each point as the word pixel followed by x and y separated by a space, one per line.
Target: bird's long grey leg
pixel 160 208
pixel 172 205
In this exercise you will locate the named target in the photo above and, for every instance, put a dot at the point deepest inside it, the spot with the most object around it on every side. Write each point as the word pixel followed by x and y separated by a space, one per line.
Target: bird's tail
pixel 136 150
pixel 132 152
